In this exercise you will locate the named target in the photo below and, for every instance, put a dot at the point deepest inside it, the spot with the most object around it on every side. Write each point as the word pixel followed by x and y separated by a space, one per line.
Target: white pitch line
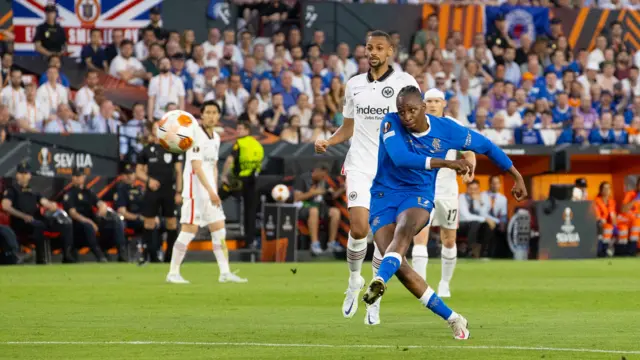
pixel 331 346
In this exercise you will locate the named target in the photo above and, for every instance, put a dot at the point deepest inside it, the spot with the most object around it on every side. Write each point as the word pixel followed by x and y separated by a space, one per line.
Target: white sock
pixel 356 251
pixel 179 251
pixel 376 260
pixel 449 260
pixel 419 260
pixel 218 239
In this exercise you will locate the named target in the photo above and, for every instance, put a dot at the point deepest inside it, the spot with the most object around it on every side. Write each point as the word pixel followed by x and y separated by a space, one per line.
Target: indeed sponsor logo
pixel 370 110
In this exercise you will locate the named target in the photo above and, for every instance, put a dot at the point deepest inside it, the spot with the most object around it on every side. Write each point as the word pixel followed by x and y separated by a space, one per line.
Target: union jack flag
pixel 78 17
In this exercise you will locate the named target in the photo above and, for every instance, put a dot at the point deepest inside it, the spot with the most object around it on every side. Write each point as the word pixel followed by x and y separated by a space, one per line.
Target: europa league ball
pixel 176 131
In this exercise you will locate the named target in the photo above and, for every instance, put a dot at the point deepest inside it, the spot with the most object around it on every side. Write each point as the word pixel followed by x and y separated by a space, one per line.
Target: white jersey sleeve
pixel 347 110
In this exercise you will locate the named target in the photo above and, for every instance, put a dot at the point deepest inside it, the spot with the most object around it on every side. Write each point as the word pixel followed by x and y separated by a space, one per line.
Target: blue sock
pixel 390 264
pixel 435 304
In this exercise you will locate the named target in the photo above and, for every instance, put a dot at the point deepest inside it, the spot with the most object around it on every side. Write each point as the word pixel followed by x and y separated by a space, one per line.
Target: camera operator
pixel 23 205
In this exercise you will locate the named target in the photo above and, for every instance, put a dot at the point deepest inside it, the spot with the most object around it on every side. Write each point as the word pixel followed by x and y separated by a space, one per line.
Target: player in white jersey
pixel 445 212
pixel 368 97
pixel 201 205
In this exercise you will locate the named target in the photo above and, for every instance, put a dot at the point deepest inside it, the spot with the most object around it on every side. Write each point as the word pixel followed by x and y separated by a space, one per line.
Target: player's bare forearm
pixel 344 132
pixel 178 168
pixel 197 169
pixel 515 174
pixel 127 215
pixel 141 173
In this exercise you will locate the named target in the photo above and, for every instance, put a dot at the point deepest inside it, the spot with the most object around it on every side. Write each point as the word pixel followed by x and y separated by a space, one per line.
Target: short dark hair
pixel 380 33
pixel 15 69
pixel 91 71
pixel 210 103
pixel 94 30
pixel 244 123
pixel 474 182
pixel 126 42
pixel 409 91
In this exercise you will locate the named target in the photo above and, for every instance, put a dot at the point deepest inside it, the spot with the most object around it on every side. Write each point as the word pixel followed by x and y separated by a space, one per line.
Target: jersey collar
pixel 206 133
pixel 426 132
pixel 383 77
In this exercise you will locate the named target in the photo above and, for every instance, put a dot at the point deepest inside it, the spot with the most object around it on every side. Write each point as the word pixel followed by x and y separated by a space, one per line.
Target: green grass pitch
pixel 517 310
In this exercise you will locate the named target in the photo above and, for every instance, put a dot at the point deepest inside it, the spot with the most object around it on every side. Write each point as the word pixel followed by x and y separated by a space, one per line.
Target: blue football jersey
pixel 402 155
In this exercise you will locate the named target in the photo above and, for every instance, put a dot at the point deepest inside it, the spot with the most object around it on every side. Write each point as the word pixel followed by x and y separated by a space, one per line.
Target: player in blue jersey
pixel 412 147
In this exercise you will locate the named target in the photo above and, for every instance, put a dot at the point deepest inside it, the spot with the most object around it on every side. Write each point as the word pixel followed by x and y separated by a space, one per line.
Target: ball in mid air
pixel 176 131
pixel 280 193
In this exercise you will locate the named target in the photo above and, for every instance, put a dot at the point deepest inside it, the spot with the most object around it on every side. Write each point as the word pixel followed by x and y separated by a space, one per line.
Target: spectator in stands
pixel 64 123
pixel 156 52
pixel 163 89
pixel 56 61
pixel 4 123
pixel 273 16
pixel 498 213
pixel 52 94
pixel 178 68
pixel 527 134
pixel 229 41
pixel 50 38
pixel 23 204
pixel 319 129
pixel 453 110
pixel 577 134
pixel 607 79
pixel 132 133
pixel 311 189
pixel 126 67
pixel 498 133
pixel 292 132
pixel 155 15
pixel 211 52
pixel 85 95
pixel 512 117
pixel 562 112
pixel 548 129
pixel 620 135
pixel 248 75
pixel 143 46
pixel 301 81
pixel 264 95
pixel 79 202
pixel 480 120
pixel 289 93
pixel 236 96
pixel 196 64
pixel 252 116
pixel 219 95
pixel 7 65
pixel 246 43
pixel 13 95
pixel 29 116
pixel 603 134
pixel 498 97
pixel 302 108
pixel 204 83
pixel 93 55
pixel 475 221
pixel 104 122
pixel 112 50
pixel 550 89
pixel 276 116
pixel 428 34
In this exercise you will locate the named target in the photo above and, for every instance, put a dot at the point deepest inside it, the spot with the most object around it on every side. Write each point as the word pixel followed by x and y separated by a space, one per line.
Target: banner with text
pixel 78 17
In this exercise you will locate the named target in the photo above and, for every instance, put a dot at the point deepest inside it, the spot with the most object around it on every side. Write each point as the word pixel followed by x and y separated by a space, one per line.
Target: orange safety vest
pixel 630 196
pixel 605 211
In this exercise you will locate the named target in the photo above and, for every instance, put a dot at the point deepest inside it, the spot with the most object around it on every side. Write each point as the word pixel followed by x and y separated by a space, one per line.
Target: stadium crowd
pixel 525 91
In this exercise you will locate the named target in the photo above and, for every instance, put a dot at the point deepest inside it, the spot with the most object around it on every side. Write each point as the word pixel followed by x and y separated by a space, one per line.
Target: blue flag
pixel 519 20
pixel 219 10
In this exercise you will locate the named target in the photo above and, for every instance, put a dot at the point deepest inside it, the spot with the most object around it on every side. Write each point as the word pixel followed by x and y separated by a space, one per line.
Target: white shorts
pixel 199 212
pixel 445 213
pixel 359 189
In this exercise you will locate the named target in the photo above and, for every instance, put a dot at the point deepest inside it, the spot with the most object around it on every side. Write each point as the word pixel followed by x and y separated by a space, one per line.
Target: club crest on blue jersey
pixel 387 92
pixel 387 127
pixel 376 221
pixel 435 144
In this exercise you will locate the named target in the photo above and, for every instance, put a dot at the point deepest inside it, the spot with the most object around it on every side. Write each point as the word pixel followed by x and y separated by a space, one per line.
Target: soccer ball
pixel 176 131
pixel 280 193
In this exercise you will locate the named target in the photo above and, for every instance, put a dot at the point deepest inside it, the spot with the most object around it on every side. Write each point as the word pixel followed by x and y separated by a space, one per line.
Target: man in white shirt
pixel 236 96
pixel 512 117
pixel 474 218
pixel 13 95
pixel 85 95
pixel 301 81
pixel 142 46
pixel 498 134
pixel 229 40
pixel 64 123
pixel 132 132
pixel 126 67
pixel 597 55
pixel 589 77
pixel 163 89
pixel 498 213
pixel 211 53
pixel 347 66
pixel 104 123
pixel 30 116
pixel 204 83
pixel 51 94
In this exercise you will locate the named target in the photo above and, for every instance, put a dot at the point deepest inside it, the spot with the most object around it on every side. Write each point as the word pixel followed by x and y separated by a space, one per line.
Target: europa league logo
pixel 44 158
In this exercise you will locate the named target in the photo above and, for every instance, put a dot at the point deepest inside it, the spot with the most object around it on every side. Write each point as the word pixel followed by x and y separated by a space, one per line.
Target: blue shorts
pixel 387 205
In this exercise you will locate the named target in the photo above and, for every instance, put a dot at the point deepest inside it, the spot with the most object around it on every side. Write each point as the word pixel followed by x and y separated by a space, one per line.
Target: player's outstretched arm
pixel 344 133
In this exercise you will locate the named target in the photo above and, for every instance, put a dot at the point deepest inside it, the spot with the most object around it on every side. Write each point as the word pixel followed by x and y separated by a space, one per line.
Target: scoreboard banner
pixel 78 17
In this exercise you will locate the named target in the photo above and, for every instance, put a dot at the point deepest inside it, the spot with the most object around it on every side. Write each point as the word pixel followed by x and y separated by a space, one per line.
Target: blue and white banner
pixel 219 10
pixel 520 20
pixel 78 17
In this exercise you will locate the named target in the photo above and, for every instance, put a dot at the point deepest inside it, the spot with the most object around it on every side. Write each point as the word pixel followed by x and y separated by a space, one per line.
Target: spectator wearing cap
pixel 56 61
pixel 104 122
pixel 576 134
pixel 142 47
pixel 580 192
pixel 196 64
pixel 13 95
pixel 587 112
pixel 441 81
pixel 512 72
pixel 548 129
pixel 126 67
pixel 498 133
pixel 607 79
pixel 50 38
pixel 163 89
pixel 597 55
pixel 527 84
pixel 156 52
pixel 603 134
pixel 52 94
pixel 23 205
pixel 178 68
pixel 93 54
pixel 562 112
pixel 112 50
pixel 620 135
pixel 63 123
pixel 527 134
pixel 155 17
